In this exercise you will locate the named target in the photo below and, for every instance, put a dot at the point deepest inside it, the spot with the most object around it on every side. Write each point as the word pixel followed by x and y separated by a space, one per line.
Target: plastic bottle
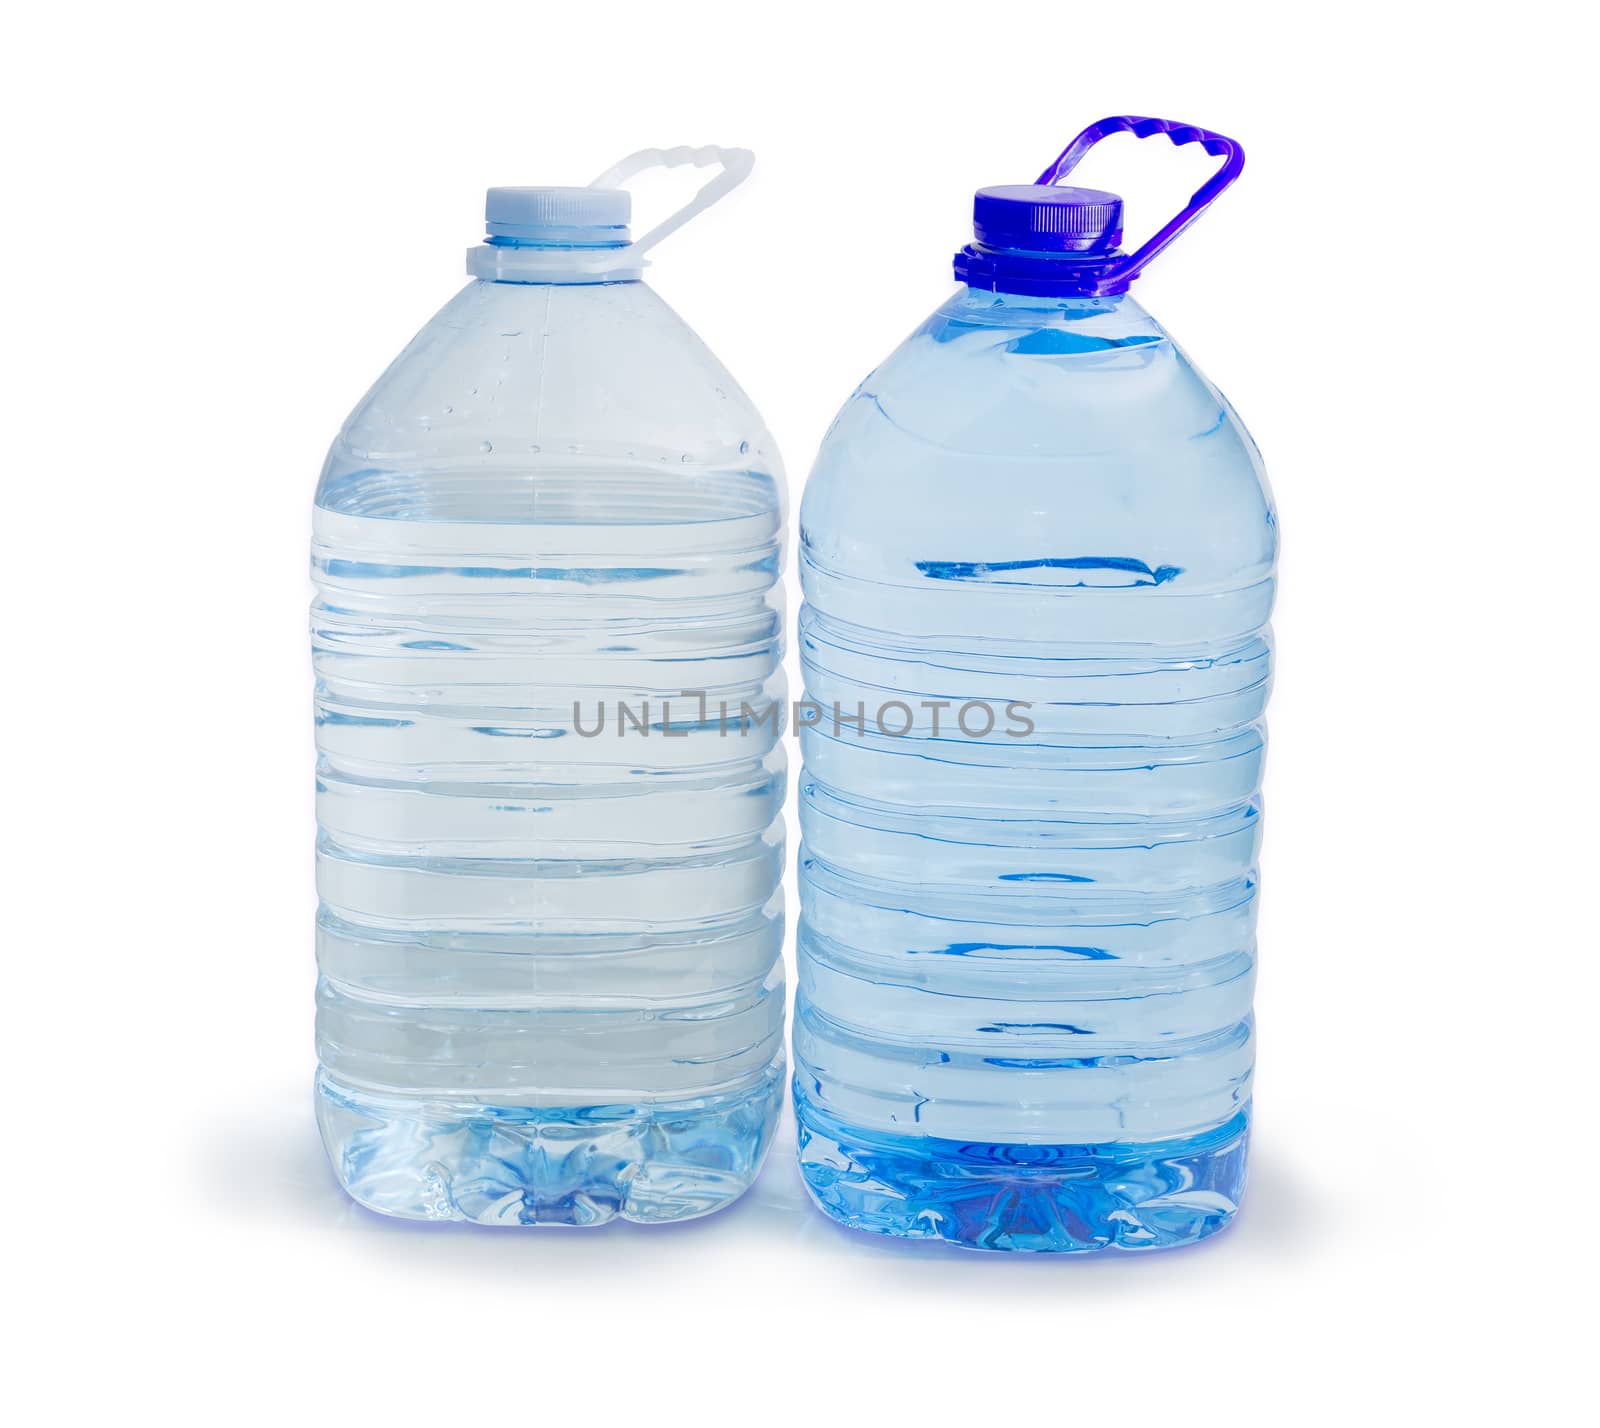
pixel 549 937
pixel 1037 551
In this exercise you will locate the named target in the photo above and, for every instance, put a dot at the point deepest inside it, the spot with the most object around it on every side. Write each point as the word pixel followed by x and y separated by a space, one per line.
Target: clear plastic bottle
pixel 551 989
pixel 1037 551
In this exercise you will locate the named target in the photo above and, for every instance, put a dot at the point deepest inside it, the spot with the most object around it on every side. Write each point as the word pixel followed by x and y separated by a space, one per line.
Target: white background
pixel 225 219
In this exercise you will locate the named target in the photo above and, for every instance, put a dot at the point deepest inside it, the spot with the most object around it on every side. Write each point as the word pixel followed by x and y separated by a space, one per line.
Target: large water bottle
pixel 1037 551
pixel 549 786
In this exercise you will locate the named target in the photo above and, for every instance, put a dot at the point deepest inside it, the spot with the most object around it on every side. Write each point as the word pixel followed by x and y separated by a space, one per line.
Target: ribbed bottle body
pixel 549 939
pixel 1037 557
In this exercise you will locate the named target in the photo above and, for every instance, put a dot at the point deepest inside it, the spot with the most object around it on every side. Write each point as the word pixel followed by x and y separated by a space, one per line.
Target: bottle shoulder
pixel 509 372
pixel 1016 436
pixel 1035 382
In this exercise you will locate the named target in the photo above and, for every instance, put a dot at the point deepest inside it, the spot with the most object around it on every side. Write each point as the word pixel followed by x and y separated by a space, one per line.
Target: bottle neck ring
pixel 1036 274
pixel 503 260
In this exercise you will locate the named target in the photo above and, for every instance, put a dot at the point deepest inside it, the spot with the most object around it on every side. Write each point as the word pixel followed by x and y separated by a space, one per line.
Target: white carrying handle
pixel 735 169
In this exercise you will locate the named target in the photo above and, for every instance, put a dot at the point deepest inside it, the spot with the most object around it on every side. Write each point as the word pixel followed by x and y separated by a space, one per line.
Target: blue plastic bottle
pixel 546 542
pixel 1037 552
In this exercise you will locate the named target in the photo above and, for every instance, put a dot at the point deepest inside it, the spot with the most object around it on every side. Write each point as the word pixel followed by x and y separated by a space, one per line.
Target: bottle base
pixel 427 1159
pixel 1041 1198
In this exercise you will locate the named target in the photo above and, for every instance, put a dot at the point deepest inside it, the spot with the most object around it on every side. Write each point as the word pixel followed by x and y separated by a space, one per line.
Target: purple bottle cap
pixel 1042 218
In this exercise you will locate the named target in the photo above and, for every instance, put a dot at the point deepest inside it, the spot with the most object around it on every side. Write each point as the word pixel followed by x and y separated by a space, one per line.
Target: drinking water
pixel 1037 552
pixel 546 549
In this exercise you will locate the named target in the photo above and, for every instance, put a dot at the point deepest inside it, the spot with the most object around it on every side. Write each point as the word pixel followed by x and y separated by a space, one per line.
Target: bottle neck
pixel 1029 273
pixel 560 256
pixel 561 239
pixel 1115 319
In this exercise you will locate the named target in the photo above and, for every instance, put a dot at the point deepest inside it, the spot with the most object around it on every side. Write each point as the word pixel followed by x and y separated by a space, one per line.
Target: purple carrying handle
pixel 1124 270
